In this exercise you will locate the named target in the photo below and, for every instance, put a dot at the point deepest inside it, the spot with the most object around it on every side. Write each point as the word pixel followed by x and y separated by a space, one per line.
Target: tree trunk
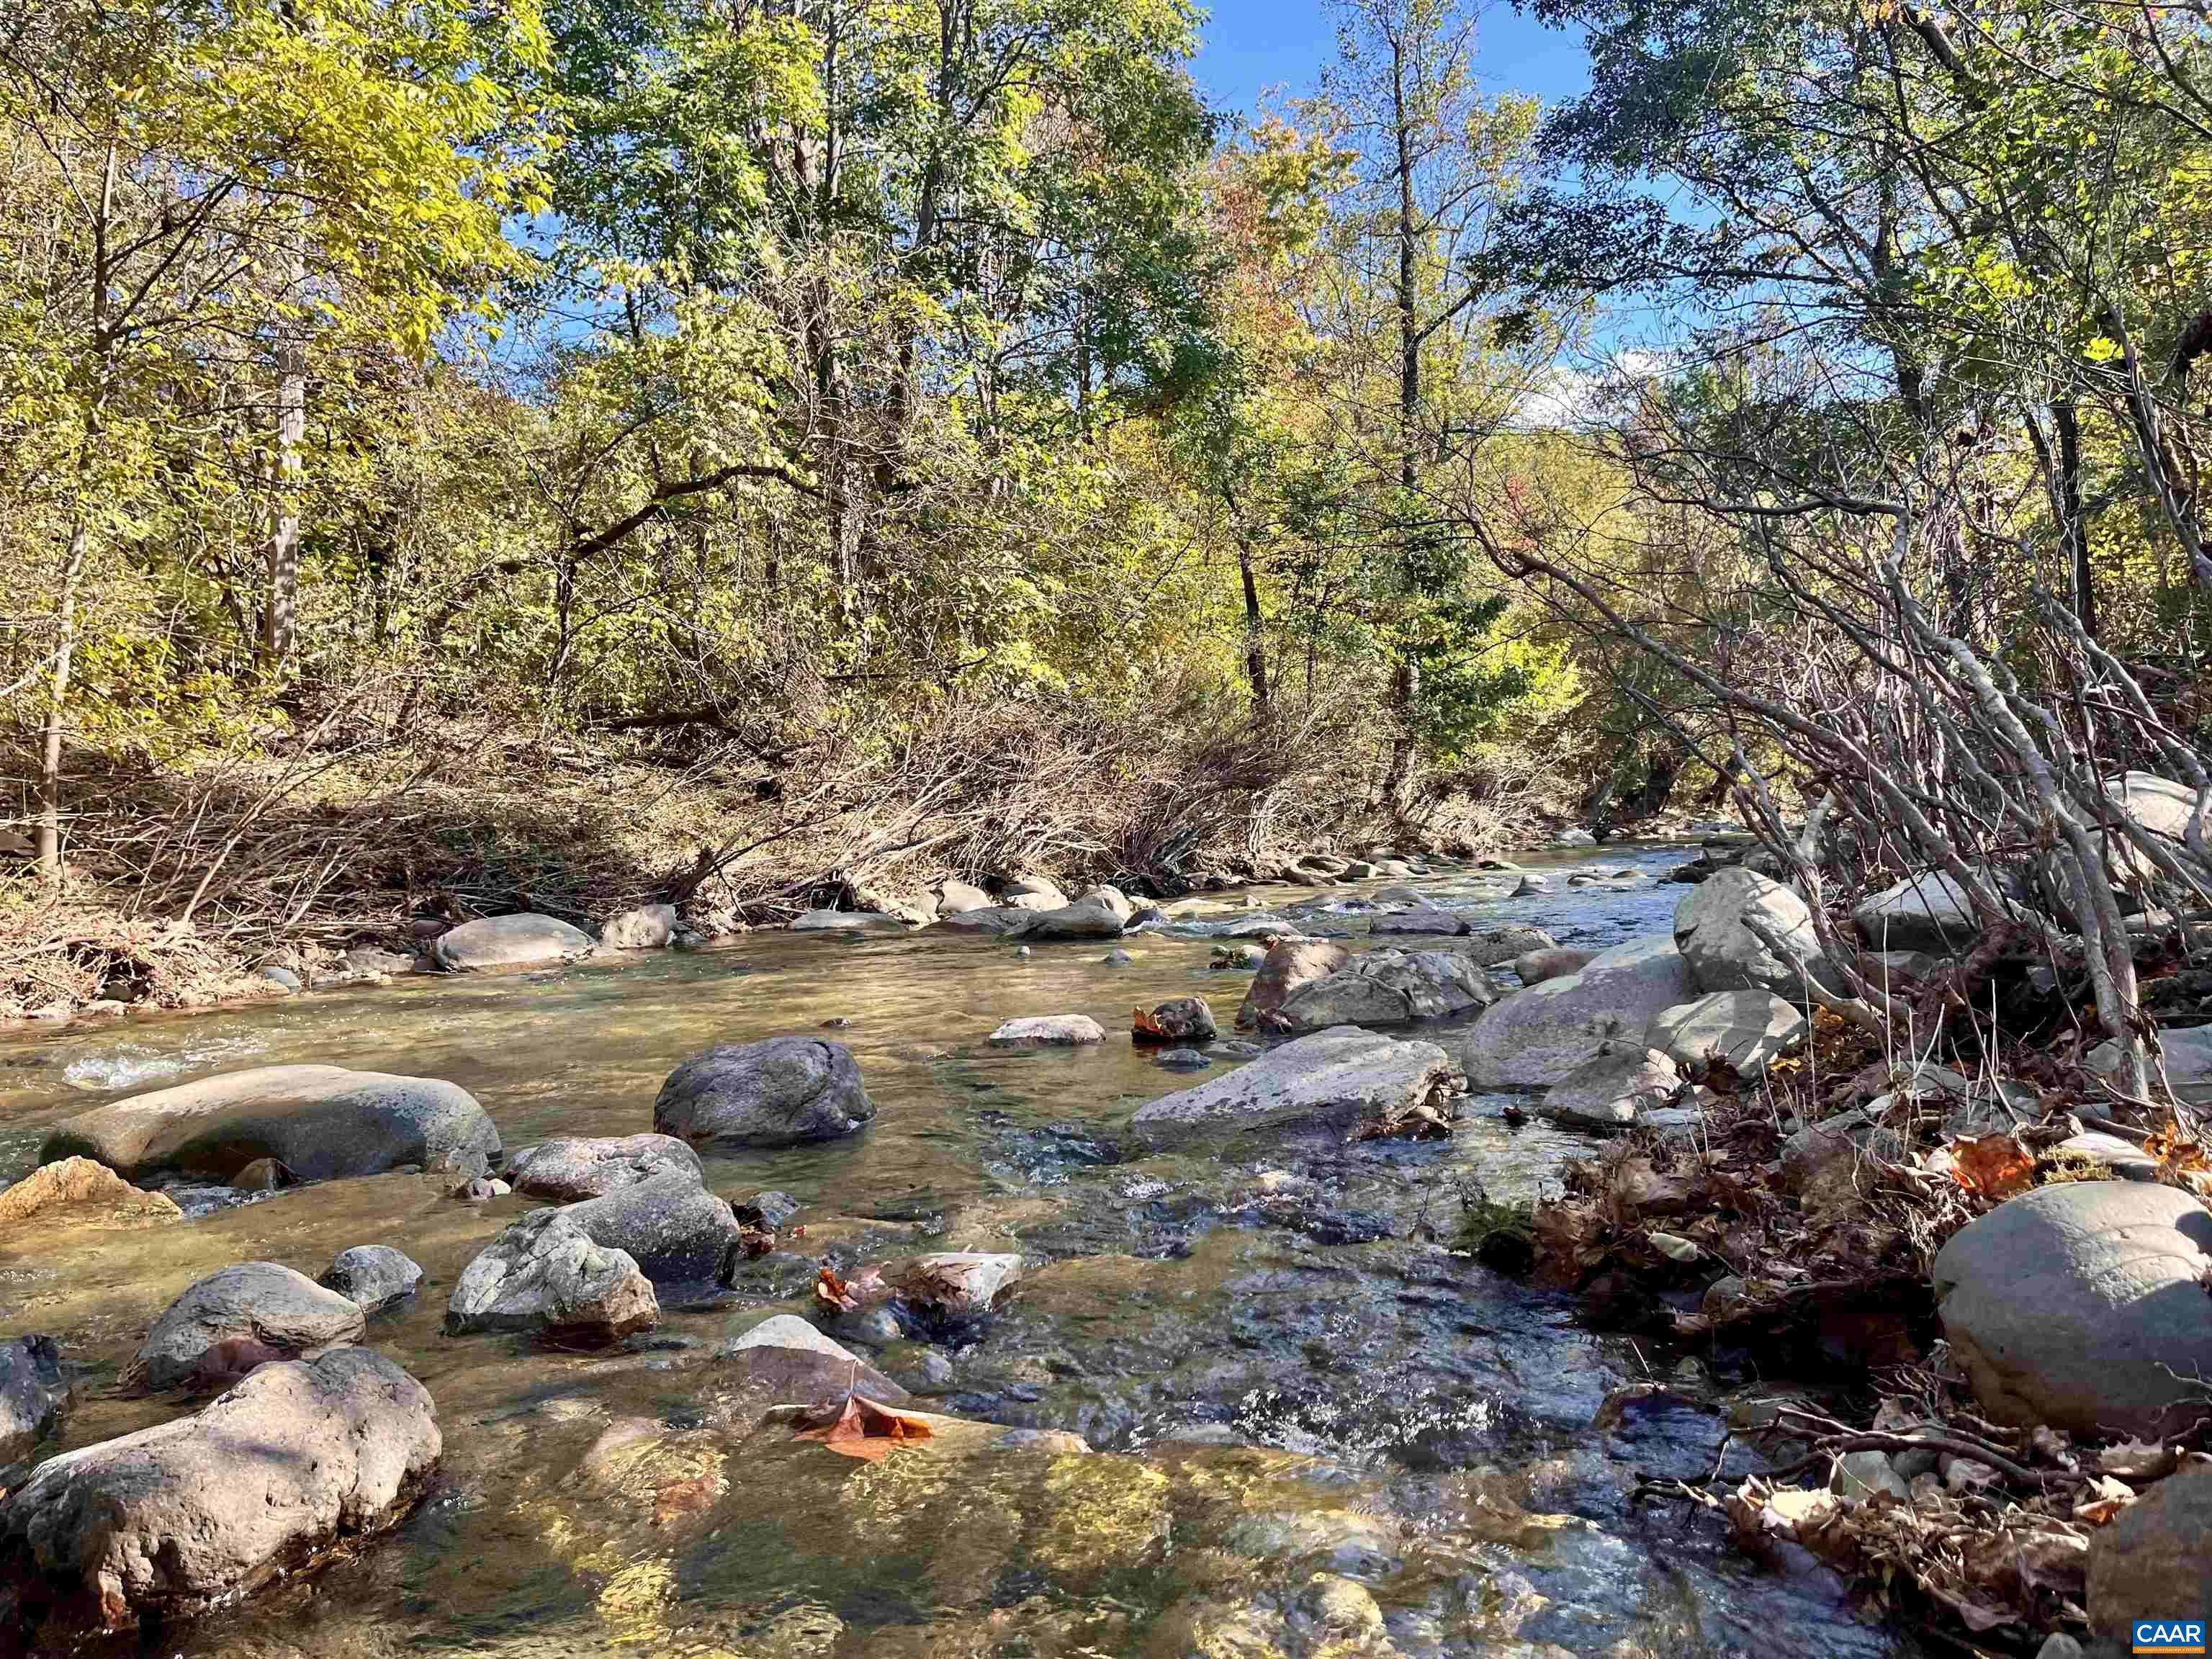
pixel 1255 640
pixel 47 833
pixel 279 615
pixel 1406 682
pixel 2073 528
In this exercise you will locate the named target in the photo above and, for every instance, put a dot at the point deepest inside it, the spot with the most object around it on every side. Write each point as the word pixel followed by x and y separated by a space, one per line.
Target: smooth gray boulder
pixel 675 1229
pixel 846 921
pixel 2082 1305
pixel 374 1276
pixel 1613 1089
pixel 1743 1029
pixel 525 940
pixel 1101 913
pixel 1334 1079
pixel 1926 911
pixel 648 927
pixel 34 1392
pixel 263 1303
pixel 2186 1052
pixel 1032 892
pixel 954 1288
pixel 2152 1560
pixel 545 1274
pixel 1390 988
pixel 1045 1031
pixel 782 1092
pixel 1535 967
pixel 321 1122
pixel 1289 965
pixel 1533 1037
pixel 573 1168
pixel 174 1519
pixel 1723 953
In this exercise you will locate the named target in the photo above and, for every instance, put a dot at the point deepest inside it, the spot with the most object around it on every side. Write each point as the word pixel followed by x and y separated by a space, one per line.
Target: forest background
pixel 465 455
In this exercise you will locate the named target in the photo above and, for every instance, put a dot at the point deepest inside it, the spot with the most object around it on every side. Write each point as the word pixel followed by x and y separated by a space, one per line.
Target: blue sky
pixel 1255 45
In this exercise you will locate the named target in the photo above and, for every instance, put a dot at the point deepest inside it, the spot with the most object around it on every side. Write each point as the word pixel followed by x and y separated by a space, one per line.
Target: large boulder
pixel 76 1192
pixel 34 1392
pixel 673 1228
pixel 1613 1088
pixel 1032 892
pixel 545 1274
pixel 573 1168
pixel 2082 1305
pixel 1723 953
pixel 525 940
pixel 648 927
pixel 1532 1038
pixel 299 1457
pixel 375 1276
pixel 1744 1030
pixel 2186 1052
pixel 1289 965
pixel 321 1122
pixel 280 1311
pixel 2153 1559
pixel 782 1093
pixel 1926 911
pixel 1335 1080
pixel 1390 988
pixel 1102 913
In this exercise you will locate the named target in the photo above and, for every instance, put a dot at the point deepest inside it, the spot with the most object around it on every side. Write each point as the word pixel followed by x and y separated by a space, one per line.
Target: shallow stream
pixel 1318 1427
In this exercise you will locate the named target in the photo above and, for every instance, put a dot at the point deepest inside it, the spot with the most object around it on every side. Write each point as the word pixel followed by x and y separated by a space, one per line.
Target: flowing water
pixel 1309 1410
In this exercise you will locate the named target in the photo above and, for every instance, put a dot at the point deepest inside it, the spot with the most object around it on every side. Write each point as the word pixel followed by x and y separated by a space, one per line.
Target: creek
pixel 1308 1408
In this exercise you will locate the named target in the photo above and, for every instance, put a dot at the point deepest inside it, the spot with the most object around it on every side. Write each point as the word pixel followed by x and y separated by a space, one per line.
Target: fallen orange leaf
pixel 1144 1028
pixel 1995 1166
pixel 860 1427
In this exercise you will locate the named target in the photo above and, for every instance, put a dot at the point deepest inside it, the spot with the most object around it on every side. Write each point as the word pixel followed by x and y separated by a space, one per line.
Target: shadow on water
pixel 1317 1428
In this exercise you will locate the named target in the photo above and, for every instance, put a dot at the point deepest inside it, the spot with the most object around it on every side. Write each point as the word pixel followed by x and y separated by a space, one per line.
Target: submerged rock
pixel 948 1289
pixel 1492 947
pixel 573 1168
pixel 321 1122
pixel 988 919
pixel 1613 1089
pixel 523 940
pixel 1337 1079
pixel 784 1358
pixel 174 1519
pixel 846 921
pixel 545 1274
pixel 34 1392
pixel 1049 1030
pixel 1389 988
pixel 1743 1029
pixel 375 1276
pixel 782 1093
pixel 1532 1038
pixel 78 1192
pixel 282 1312
pixel 1289 965
pixel 2082 1305
pixel 1423 919
pixel 1101 913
